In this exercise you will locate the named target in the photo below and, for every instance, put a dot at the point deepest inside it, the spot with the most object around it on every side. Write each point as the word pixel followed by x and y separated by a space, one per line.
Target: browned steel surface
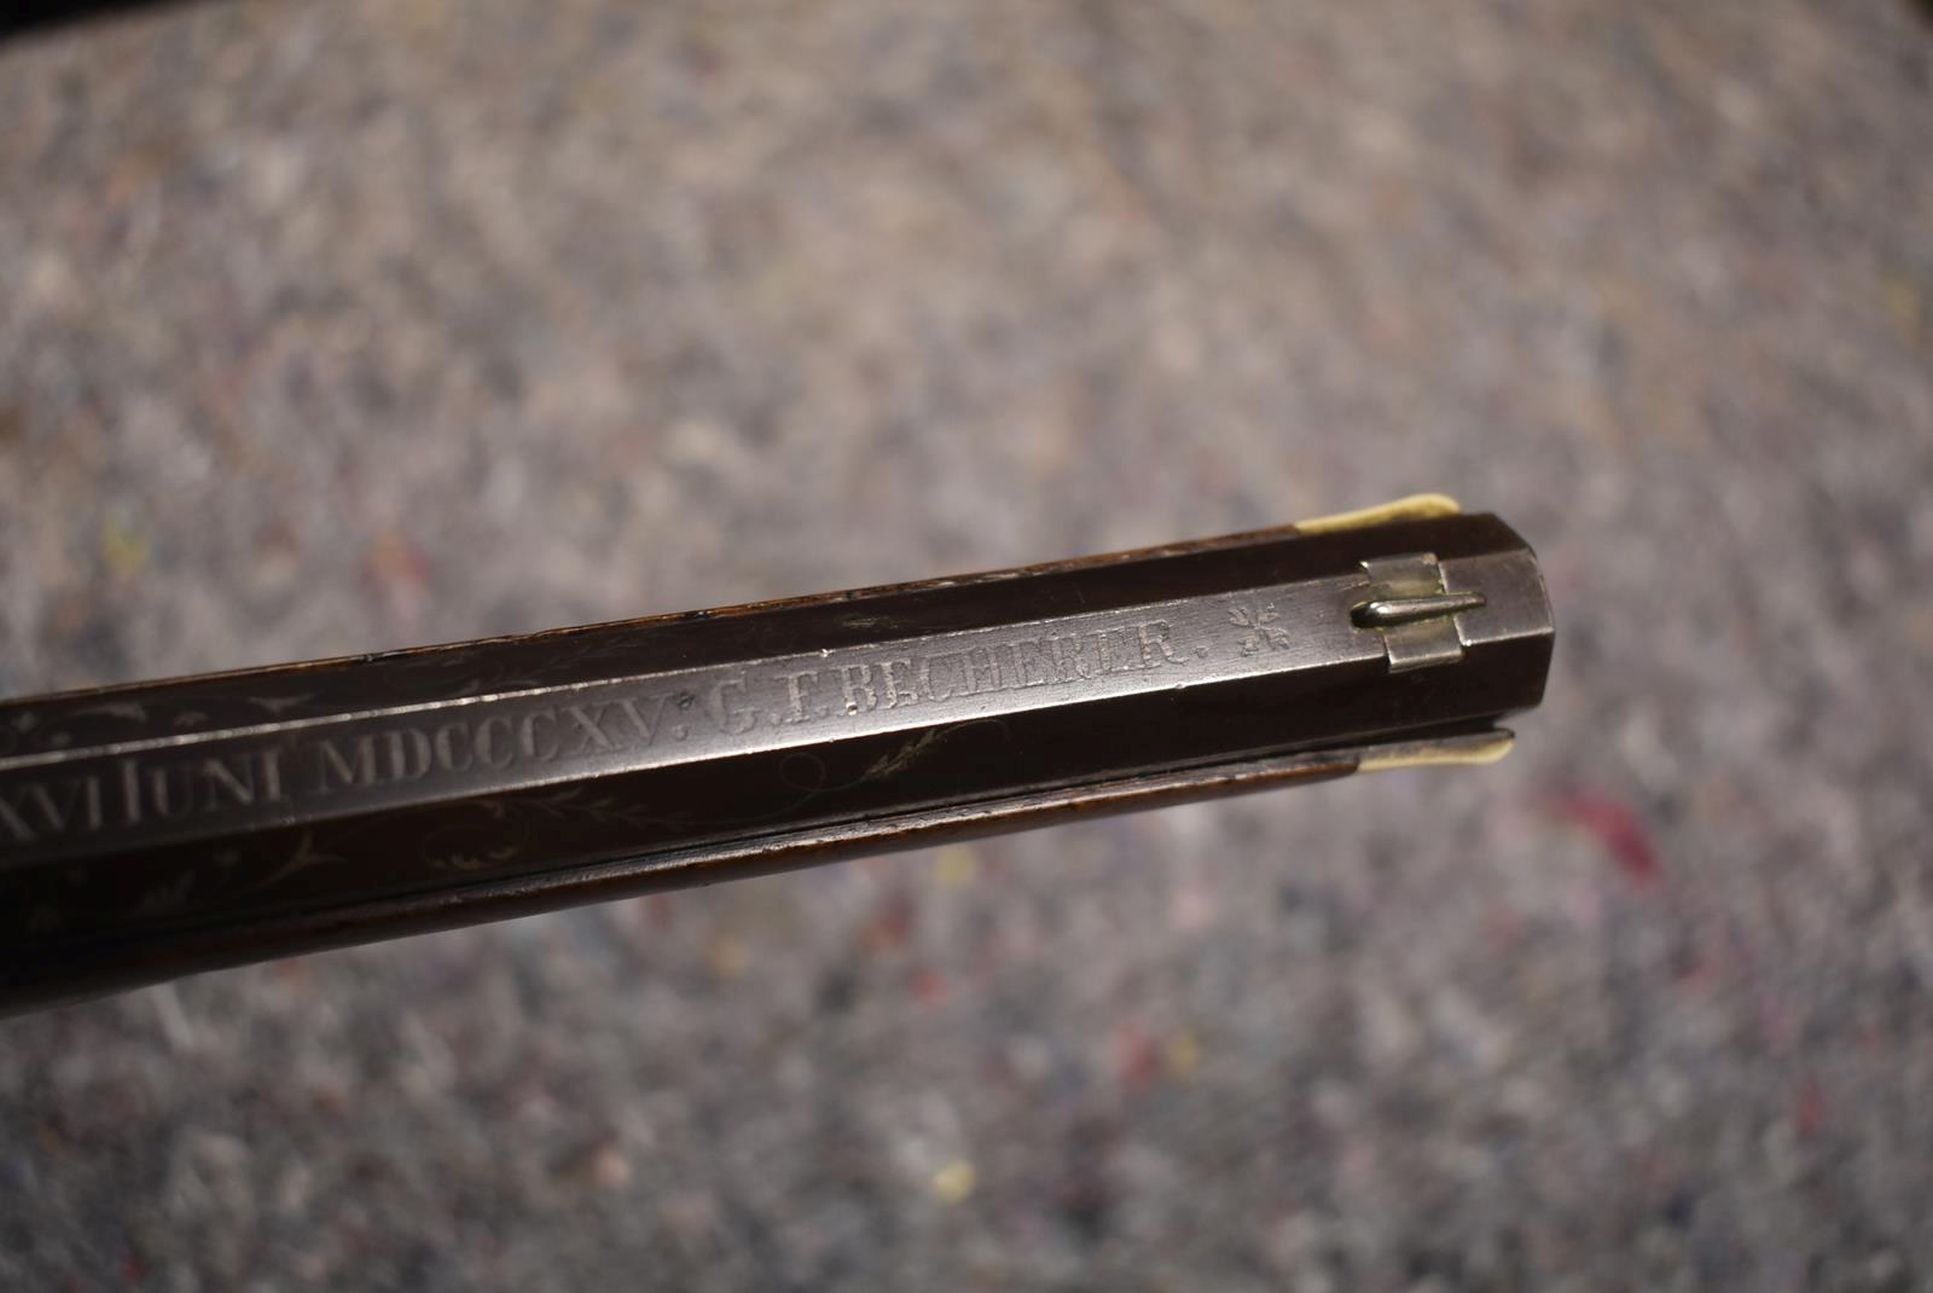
pixel 157 829
pixel 344 325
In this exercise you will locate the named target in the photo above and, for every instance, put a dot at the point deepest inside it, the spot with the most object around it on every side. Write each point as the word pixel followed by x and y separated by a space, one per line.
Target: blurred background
pixel 336 326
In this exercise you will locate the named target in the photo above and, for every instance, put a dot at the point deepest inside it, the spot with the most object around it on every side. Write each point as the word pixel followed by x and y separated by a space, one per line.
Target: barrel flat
pixel 162 828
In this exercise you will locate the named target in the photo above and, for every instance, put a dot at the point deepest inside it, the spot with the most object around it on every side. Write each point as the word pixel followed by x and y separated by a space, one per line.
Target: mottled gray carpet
pixel 333 326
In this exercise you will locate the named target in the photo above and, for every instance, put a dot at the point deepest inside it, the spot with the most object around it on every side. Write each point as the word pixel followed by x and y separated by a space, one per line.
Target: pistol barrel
pixel 164 828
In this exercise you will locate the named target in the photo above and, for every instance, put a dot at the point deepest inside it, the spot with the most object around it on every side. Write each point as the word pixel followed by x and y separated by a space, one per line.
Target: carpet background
pixel 331 327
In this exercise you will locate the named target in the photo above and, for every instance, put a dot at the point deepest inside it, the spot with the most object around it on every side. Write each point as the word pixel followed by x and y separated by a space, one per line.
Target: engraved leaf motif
pixel 473 861
pixel 575 802
pixel 306 855
pixel 129 710
pixel 1261 630
pixel 166 898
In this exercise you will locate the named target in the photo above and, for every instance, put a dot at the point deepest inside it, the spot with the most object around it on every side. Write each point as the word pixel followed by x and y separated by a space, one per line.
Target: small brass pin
pixel 1386 612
